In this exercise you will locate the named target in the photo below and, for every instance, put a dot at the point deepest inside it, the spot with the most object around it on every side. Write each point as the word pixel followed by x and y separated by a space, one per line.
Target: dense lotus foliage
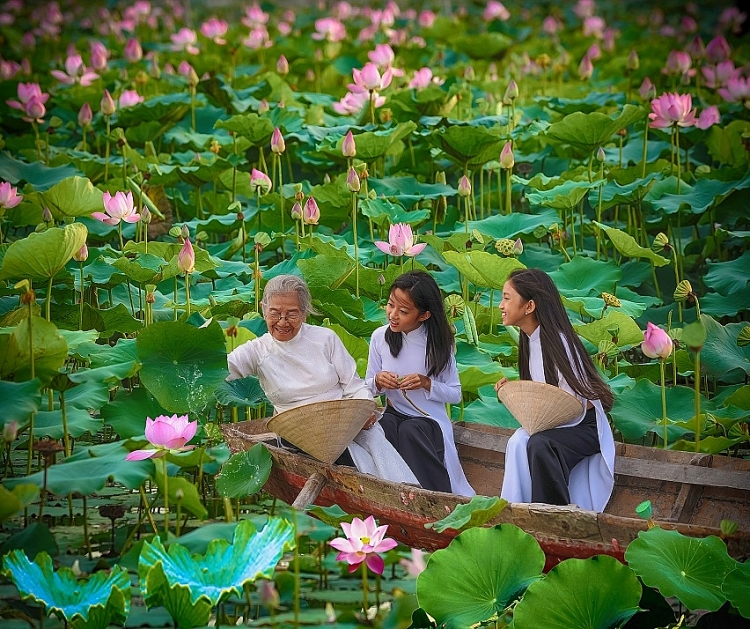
pixel 162 160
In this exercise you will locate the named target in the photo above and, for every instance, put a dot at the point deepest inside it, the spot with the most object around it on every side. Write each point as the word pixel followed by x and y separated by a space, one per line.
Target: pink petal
pixel 416 249
pixel 342 544
pixel 133 218
pixel 140 455
pixel 386 545
pixel 375 563
pixel 383 246
pixel 160 433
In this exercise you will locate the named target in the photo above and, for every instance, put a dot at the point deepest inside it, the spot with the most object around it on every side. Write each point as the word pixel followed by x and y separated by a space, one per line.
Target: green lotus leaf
pixel 89 395
pixel 598 593
pixel 720 306
pixel 736 587
pixel 373 145
pixel 487 410
pixel 243 393
pixel 244 473
pixel 637 411
pixel 182 364
pixel 72 197
pixel 250 126
pixel 477 512
pixel 629 335
pixel 472 378
pixel 730 276
pixel 566 196
pixel 190 500
pixel 36 173
pixel 325 271
pixel 594 306
pixel 593 101
pixel 79 421
pixel 333 515
pixel 50 351
pixel 32 540
pixel 408 190
pixel 721 356
pixel 166 108
pixel 687 568
pixel 111 374
pixel 478 575
pixel 612 193
pixel 18 399
pixel 224 570
pixel 68 597
pixel 740 398
pixel 471 146
pixel 725 143
pixel 703 195
pixel 590 131
pixel 41 255
pixel 482 268
pixel 144 269
pixel 627 245
pixel 89 475
pixel 385 213
pixel 512 225
pixel 197 540
pixel 13 502
pixel 583 275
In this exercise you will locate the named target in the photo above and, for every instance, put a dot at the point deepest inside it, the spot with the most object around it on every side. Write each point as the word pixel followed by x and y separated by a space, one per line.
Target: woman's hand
pixel 415 381
pixel 499 384
pixel 371 422
pixel 386 380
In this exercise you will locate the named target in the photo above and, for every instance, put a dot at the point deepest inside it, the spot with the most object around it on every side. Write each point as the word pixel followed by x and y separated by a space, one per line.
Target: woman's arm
pixel 352 385
pixel 243 361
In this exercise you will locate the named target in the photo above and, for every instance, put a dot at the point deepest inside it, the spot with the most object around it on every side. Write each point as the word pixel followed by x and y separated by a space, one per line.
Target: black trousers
pixel 553 453
pixel 419 441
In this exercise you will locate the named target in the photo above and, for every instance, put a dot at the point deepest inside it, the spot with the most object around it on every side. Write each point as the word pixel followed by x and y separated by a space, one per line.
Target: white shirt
pixel 445 389
pixel 314 366
pixel 592 480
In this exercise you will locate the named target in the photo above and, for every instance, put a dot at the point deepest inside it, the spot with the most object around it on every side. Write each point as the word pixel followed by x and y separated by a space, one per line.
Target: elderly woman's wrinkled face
pixel 283 316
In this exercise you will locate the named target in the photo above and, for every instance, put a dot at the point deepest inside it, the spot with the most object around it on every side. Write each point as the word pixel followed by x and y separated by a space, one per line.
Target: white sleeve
pixel 243 361
pixel 446 386
pixel 374 365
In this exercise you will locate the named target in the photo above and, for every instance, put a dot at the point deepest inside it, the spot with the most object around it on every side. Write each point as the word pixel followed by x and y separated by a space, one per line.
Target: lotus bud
pixel 186 257
pixel 296 212
pixel 311 212
pixel 299 195
pixel 192 78
pixel 260 182
pixel 133 51
pixel 517 247
pixel 469 73
pixel 647 89
pixel 601 156
pixel 47 215
pixel 352 181
pixel 440 177
pixel 153 68
pixel 82 254
pixel 85 115
pixel 326 178
pixel 464 186
pixel 660 243
pixel 507 159
pixel 511 93
pixel 10 431
pixel 585 68
pixel 107 104
pixel 146 216
pixel 269 596
pixel 278 145
pixel 683 291
pixel 656 342
pixel 184 232
pixel 348 146
pixel 381 279
pixel 282 66
pixel 633 62
pixel 611 300
pixel 263 107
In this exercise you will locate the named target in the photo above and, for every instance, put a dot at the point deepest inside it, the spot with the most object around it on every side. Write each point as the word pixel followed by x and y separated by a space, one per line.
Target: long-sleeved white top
pixel 445 388
pixel 592 480
pixel 314 366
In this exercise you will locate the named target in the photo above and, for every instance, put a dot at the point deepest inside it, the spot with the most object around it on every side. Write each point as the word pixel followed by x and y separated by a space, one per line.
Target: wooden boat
pixel 689 493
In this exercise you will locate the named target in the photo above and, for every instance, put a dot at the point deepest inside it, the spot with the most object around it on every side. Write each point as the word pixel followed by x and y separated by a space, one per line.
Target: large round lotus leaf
pixel 41 255
pixel 182 365
pixel 628 246
pixel 566 196
pixel 482 268
pixel 471 145
pixel 251 126
pixel 592 130
pixel 244 473
pixel 478 575
pixel 736 586
pixel 243 392
pixel 595 593
pixel 75 196
pixel 50 351
pixel 18 399
pixel 688 568
pixel 721 356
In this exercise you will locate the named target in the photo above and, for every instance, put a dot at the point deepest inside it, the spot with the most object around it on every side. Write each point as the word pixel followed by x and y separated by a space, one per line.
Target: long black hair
pixel 426 297
pixel 576 367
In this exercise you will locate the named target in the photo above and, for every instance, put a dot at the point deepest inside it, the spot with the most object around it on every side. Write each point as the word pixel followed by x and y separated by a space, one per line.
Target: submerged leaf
pixel 245 472
pixel 480 510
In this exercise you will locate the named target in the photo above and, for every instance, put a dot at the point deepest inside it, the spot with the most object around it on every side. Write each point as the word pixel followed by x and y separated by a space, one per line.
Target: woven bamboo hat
pixel 537 405
pixel 323 429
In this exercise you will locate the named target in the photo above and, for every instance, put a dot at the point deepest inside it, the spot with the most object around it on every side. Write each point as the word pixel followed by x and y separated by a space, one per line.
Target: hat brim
pixel 538 406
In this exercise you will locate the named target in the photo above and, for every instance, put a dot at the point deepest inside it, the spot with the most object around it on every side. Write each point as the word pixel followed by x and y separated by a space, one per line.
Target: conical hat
pixel 323 429
pixel 537 405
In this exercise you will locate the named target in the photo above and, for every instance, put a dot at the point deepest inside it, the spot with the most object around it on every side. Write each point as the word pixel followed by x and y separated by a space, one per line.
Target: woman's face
pixel 514 308
pixel 403 315
pixel 283 316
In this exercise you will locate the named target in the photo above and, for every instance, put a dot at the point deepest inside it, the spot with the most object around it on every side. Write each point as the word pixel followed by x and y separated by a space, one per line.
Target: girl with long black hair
pixel 574 462
pixel 412 362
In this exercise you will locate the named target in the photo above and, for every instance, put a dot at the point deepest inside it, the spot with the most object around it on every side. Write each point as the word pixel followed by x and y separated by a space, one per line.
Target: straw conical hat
pixel 537 405
pixel 323 429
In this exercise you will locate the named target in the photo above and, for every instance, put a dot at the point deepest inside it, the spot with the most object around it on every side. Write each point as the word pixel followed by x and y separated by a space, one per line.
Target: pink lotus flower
pixel 118 208
pixel 329 29
pixel 584 8
pixel 352 181
pixel 495 11
pixel 593 26
pixel 507 160
pixel 416 565
pixel 585 68
pixel 672 109
pixel 708 117
pixel 464 186
pixel 352 103
pixel 720 74
pixel 258 38
pixel 75 72
pixel 679 64
pixel 27 91
pixel 8 69
pixel 737 90
pixel 647 89
pixel 424 77
pixel 260 182
pixel 166 434
pixel 717 50
pixel 9 196
pixel 696 48
pixel 82 254
pixel 278 145
pixel 215 29
pixel 656 342
pixel 35 110
pixel 731 19
pixel 349 146
pixel 129 98
pixel 107 104
pixel 369 79
pixel 426 19
pixel 363 541
pixel 186 257
pixel 400 242
pixel 311 212
pixel 254 16
pixel 133 52
pixel 85 115
pixel 185 39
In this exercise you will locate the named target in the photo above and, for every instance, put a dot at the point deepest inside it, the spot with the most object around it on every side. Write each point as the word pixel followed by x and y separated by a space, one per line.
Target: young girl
pixel 575 462
pixel 411 360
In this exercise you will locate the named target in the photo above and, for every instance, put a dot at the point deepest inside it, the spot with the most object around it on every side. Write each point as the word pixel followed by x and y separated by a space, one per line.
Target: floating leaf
pixel 50 351
pixel 245 473
pixel 736 587
pixel 18 399
pixel 590 131
pixel 13 502
pixel 478 575
pixel 72 599
pixel 685 567
pixel 594 592
pixel 566 196
pixel 242 393
pixel 478 511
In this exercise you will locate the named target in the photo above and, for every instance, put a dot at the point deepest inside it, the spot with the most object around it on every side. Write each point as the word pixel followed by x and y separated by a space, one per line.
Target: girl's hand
pixel 386 380
pixel 372 421
pixel 500 383
pixel 415 381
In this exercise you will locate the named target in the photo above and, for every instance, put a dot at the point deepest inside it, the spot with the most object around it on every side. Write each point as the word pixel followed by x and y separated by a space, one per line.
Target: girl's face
pixel 403 315
pixel 514 308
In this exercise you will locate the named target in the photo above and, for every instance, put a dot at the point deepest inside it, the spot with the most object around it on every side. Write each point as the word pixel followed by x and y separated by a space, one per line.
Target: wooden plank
pixel 689 495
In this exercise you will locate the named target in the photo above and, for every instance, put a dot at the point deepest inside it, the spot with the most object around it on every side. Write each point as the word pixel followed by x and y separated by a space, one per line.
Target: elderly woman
pixel 298 364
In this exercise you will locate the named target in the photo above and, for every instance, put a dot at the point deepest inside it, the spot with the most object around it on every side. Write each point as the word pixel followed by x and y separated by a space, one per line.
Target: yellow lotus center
pixel 365 540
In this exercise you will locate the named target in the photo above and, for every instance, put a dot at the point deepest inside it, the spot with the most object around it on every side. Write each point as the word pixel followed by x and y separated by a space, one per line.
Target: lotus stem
pixel 663 402
pixel 49 299
pixel 257 280
pixel 179 515
pixel 356 243
pixel 86 538
pixel 33 375
pixel 37 143
pixel 106 154
pixel 278 166
pixel 296 568
pixel 80 314
pixel 119 233
pixel 372 107
pixel 645 149
pixel 174 282
pixel 676 134
pixel 508 192
pixel 187 293
pixel 365 588
pixel 260 228
pixel 677 280
pixel 697 378
pixel 166 497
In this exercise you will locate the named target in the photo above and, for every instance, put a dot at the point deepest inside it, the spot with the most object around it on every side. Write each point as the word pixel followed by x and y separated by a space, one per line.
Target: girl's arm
pixel 446 387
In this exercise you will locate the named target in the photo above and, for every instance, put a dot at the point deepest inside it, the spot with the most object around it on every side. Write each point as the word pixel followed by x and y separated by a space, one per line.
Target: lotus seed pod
pixel 454 306
pixel 505 246
pixel 683 291
pixel 744 336
pixel 660 243
pixel 611 300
